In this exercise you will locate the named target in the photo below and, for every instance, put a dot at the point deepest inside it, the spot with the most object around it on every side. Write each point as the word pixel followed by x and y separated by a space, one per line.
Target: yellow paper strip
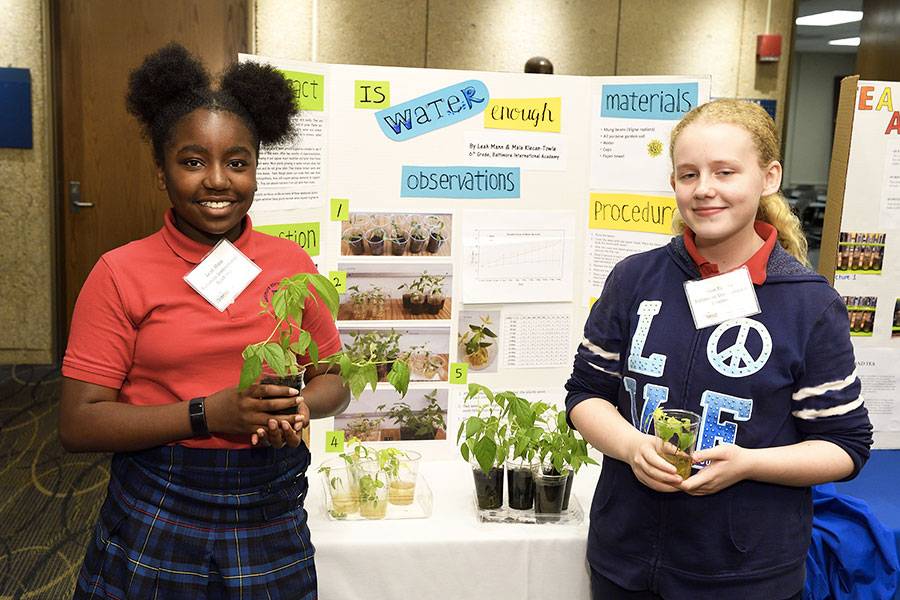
pixel 631 212
pixel 524 114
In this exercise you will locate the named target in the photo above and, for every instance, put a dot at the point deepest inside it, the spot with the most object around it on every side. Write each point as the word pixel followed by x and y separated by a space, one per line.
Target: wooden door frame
pixel 59 194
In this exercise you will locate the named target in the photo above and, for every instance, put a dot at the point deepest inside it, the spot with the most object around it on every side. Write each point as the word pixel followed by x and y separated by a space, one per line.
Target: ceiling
pixel 815 39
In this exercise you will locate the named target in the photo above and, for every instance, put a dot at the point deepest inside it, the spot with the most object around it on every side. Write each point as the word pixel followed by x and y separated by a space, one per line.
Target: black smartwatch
pixel 197 411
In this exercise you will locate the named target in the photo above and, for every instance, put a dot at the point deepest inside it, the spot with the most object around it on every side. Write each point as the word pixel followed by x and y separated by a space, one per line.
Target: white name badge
pixel 222 275
pixel 721 298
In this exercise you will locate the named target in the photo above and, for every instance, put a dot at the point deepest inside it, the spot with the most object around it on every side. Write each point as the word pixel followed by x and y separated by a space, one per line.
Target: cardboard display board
pixel 861 241
pixel 524 191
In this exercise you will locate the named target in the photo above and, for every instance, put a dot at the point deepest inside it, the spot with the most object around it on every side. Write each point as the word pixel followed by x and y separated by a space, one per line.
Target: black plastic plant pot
pixel 292 381
pixel 407 305
pixel 376 246
pixel 417 308
pixel 521 487
pixel 488 488
pixel 568 493
pixel 549 493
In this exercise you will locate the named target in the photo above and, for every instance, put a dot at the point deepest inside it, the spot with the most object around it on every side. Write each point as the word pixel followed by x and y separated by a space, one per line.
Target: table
pixel 451 554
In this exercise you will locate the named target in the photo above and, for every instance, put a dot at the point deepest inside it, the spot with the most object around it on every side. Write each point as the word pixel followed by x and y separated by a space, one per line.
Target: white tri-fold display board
pixel 863 223
pixel 471 217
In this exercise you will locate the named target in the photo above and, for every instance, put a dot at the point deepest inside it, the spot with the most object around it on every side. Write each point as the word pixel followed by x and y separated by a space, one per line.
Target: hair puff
pixel 169 74
pixel 267 97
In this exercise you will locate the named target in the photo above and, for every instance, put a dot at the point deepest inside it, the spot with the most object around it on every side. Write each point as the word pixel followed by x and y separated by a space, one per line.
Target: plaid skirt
pixel 202 524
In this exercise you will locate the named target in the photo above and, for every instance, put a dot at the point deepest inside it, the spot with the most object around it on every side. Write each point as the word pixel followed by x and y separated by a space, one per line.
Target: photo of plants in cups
pixel 396 234
pixel 533 445
pixel 478 342
pixel 396 292
pixel 425 350
pixel 380 417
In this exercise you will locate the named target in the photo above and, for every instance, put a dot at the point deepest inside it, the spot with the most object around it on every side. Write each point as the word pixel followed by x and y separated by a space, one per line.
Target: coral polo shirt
pixel 756 264
pixel 138 327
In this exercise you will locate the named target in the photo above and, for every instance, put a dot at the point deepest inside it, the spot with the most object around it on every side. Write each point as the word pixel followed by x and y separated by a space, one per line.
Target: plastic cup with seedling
pixel 677 429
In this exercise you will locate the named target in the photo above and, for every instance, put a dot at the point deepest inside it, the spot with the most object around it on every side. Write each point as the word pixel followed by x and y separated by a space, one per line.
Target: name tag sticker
pixel 721 298
pixel 222 275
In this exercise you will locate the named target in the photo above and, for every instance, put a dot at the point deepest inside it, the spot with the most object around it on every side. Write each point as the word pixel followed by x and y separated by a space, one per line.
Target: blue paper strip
pixel 659 101
pixel 460 182
pixel 433 111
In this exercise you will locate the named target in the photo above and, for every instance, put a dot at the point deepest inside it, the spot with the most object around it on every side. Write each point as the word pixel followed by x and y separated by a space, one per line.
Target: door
pixel 104 164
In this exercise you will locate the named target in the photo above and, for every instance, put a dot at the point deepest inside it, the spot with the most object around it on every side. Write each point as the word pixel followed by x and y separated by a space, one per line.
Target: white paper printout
pixel 522 256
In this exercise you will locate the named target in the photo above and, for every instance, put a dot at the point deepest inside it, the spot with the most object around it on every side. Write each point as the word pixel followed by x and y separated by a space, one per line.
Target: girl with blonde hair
pixel 776 390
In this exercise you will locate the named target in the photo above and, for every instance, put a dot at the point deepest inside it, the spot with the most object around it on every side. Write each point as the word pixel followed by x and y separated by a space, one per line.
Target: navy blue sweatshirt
pixel 773 379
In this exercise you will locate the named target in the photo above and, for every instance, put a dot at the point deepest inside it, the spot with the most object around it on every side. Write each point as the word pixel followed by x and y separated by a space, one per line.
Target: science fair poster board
pixel 861 241
pixel 516 193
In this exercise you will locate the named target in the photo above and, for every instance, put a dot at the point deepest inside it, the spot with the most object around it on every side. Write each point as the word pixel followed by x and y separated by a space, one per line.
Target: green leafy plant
pixel 476 342
pixel 676 431
pixel 288 340
pixel 484 435
pixel 559 447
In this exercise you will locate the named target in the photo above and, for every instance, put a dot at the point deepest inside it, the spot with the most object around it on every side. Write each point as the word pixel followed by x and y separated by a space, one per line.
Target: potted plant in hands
pixel 484 443
pixel 562 455
pixel 476 344
pixel 279 352
pixel 421 424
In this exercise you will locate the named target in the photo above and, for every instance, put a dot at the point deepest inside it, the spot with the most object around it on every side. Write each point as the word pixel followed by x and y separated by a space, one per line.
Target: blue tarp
pixel 852 555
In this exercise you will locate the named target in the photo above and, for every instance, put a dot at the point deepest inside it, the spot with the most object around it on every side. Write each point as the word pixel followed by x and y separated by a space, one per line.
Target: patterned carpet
pixel 49 499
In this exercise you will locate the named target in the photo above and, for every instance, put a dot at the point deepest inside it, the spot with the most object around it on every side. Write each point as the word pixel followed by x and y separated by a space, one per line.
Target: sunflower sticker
pixel 654 148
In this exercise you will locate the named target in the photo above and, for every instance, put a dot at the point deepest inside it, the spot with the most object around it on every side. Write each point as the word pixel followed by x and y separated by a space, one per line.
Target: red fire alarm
pixel 768 47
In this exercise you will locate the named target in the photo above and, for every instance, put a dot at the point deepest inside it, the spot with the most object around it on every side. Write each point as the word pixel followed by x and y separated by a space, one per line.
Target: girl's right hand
pixel 232 412
pixel 649 467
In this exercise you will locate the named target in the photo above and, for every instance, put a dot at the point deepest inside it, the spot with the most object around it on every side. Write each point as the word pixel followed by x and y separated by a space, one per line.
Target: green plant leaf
pixel 488 332
pixel 250 371
pixel 485 453
pixel 313 350
pixel 474 425
pixel 279 303
pixel 303 340
pixel 326 291
pixel 273 355
pixel 370 372
pixel 399 377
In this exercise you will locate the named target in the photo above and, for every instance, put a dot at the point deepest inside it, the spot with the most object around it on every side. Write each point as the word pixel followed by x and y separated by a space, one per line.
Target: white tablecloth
pixel 451 554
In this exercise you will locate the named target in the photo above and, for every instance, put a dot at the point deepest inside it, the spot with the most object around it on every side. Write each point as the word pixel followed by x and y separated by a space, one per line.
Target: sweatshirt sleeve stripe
pixel 595 349
pixel 842 409
pixel 820 390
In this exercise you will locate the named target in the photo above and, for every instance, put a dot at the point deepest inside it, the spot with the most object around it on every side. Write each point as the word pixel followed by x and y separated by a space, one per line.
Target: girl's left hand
pixel 728 464
pixel 283 432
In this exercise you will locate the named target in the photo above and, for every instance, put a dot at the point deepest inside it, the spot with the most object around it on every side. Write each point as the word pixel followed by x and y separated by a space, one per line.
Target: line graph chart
pixel 533 255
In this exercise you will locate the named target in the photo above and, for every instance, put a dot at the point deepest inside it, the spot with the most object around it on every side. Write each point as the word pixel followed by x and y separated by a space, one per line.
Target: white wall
pixel 809 128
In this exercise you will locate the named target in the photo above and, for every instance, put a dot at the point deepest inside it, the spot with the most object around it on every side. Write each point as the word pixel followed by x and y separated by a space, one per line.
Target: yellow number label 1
pixel 340 209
